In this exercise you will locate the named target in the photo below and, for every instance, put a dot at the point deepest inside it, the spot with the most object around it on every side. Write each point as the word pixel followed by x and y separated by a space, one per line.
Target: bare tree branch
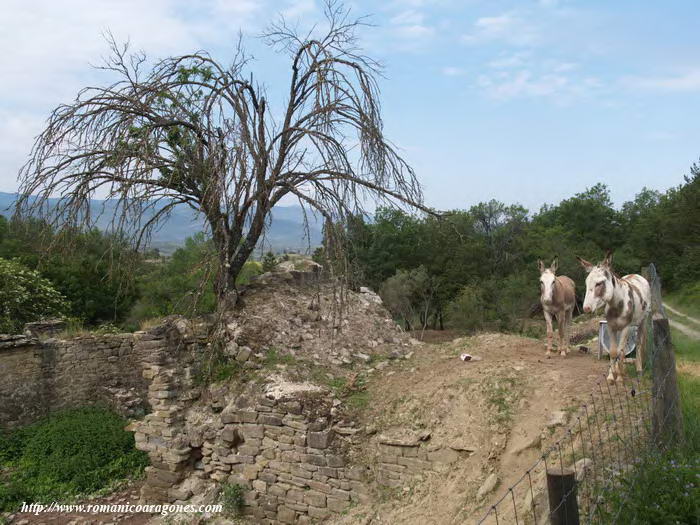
pixel 192 131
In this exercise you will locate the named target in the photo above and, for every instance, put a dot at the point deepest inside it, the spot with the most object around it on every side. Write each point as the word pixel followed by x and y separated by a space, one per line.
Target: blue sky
pixel 525 101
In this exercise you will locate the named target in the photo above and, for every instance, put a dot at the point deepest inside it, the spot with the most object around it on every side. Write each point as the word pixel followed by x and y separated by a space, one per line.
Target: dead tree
pixel 191 131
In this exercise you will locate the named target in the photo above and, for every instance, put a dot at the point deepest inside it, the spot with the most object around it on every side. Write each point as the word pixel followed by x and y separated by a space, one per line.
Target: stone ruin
pixel 294 447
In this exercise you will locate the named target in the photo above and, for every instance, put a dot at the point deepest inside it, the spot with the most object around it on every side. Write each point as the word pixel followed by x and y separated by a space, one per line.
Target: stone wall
pixel 279 443
pixel 38 377
pixel 401 455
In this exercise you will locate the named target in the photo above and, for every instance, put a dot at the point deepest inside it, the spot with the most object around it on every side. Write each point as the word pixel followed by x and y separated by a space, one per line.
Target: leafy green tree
pixel 179 285
pixel 182 284
pixel 269 262
pixel 93 275
pixel 25 296
pixel 408 295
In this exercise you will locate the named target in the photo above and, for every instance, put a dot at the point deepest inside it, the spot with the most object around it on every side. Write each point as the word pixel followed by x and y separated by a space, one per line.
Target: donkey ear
pixel 588 266
pixel 540 265
pixel 608 259
pixel 555 264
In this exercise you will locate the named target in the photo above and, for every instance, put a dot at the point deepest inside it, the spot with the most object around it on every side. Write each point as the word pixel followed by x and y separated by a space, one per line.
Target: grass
pixel 686 348
pixel 501 394
pixel 664 487
pixel 231 498
pixel 72 453
pixel 215 366
pixel 356 396
pixel 273 358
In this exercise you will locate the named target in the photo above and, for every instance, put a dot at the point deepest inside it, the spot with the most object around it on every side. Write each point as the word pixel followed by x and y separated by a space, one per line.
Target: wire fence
pixel 580 477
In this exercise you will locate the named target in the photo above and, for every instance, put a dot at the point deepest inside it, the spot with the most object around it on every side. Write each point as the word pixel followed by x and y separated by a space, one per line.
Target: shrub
pixel 663 488
pixel 269 262
pixel 231 497
pixel 466 312
pixel 74 452
pixel 25 296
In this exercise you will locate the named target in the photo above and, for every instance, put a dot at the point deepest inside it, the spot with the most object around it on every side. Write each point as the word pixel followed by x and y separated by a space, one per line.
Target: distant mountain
pixel 285 233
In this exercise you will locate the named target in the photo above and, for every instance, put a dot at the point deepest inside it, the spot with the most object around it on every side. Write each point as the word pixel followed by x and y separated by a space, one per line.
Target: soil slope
pixel 495 409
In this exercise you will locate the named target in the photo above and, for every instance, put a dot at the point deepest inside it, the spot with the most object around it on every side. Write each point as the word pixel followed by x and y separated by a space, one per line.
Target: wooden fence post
pixel 667 419
pixel 563 504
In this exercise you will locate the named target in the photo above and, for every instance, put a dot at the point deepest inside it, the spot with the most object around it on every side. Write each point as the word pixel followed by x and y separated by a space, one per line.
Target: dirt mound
pixel 334 327
pixel 493 411
pixel 488 418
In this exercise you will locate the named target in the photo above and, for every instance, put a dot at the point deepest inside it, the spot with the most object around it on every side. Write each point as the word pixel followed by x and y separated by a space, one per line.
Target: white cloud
pixel 524 83
pixel 507 61
pixel 410 24
pixel 49 46
pixel 299 8
pixel 689 81
pixel 451 71
pixel 508 28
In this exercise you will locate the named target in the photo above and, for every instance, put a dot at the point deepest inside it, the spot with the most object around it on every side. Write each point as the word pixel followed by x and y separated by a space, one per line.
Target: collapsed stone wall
pixel 40 376
pixel 296 448
pixel 291 444
pixel 280 444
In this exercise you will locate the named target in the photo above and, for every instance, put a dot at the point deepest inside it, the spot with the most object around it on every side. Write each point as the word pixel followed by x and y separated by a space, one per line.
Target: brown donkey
pixel 558 298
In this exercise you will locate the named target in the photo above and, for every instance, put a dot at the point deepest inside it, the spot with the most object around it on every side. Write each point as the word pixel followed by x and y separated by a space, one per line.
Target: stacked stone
pixel 41 376
pixel 161 433
pixel 285 453
pixel 401 458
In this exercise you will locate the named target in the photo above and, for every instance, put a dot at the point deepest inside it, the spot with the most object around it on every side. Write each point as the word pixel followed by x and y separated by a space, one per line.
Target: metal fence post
pixel 561 489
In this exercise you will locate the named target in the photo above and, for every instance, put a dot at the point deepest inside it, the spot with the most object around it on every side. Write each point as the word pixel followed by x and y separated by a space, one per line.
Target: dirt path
pixel 681 314
pixel 690 331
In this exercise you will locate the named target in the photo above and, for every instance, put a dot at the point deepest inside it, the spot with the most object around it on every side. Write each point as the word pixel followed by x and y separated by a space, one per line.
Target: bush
pixel 466 312
pixel 269 262
pixel 184 283
pixel 231 497
pixel 662 489
pixel 25 296
pixel 74 452
pixel 408 295
pixel 91 269
pixel 494 304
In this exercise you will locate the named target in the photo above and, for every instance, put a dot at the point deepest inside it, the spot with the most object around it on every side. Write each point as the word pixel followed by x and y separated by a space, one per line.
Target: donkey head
pixel 547 279
pixel 599 283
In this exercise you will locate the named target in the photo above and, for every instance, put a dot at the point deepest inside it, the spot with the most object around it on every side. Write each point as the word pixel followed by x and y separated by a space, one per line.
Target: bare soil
pixel 495 406
pixel 128 494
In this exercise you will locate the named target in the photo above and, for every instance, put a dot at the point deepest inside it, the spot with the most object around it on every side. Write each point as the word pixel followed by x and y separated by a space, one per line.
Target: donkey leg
pixel 613 355
pixel 567 329
pixel 624 335
pixel 550 335
pixel 561 322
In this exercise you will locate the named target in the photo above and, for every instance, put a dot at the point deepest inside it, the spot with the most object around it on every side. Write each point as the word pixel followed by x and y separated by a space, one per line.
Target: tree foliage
pixel 25 296
pixel 269 262
pixel 92 275
pixel 182 283
pixel 480 264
